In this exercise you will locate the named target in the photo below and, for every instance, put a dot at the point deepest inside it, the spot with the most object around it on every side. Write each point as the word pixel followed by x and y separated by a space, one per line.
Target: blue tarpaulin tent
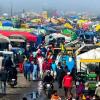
pixel 7 23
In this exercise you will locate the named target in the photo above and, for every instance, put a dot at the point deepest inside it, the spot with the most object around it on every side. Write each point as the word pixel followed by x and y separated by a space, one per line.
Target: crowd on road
pixel 42 63
pixel 52 55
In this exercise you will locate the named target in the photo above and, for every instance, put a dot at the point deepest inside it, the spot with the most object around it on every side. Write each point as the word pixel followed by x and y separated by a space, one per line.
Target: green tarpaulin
pixel 69 33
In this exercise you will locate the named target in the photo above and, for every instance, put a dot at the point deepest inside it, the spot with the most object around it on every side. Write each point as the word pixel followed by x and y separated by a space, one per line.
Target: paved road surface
pixel 29 89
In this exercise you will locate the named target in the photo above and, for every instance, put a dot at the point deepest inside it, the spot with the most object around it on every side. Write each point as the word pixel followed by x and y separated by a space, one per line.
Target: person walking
pixel 8 63
pixel 67 83
pixel 27 69
pixel 54 69
pixel 35 70
pixel 40 60
pixel 20 62
pixel 59 75
pixel 45 67
pixel 97 91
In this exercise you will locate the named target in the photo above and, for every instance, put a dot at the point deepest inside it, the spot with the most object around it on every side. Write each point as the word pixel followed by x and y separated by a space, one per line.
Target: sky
pixel 60 5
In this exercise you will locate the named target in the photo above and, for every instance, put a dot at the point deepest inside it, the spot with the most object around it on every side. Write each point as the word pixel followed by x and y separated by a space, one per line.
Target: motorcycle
pixel 12 82
pixel 12 77
pixel 48 88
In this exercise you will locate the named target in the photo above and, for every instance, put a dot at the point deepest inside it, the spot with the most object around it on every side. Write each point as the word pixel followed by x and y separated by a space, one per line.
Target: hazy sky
pixel 65 5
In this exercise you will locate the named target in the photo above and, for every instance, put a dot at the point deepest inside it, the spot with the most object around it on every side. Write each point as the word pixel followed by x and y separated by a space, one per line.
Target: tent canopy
pixel 68 25
pixel 4 39
pixel 69 33
pixel 27 35
pixel 92 56
pixel 7 23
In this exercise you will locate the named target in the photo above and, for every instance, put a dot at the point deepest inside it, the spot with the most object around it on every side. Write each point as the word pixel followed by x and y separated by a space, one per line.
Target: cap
pixel 68 73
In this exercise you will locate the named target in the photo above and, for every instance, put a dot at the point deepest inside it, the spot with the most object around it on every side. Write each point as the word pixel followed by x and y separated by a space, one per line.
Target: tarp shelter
pixel 92 56
pixel 36 20
pixel 86 25
pixel 4 39
pixel 7 23
pixel 57 35
pixel 68 25
pixel 54 21
pixel 27 35
pixel 61 20
pixel 17 38
pixel 97 28
pixel 0 23
pixel 69 33
pixel 16 29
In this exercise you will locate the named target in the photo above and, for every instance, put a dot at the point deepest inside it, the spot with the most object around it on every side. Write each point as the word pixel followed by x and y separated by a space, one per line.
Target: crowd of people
pixel 37 62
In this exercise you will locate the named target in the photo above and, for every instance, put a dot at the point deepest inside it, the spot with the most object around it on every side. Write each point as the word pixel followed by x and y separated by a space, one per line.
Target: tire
pixel 49 94
pixel 12 86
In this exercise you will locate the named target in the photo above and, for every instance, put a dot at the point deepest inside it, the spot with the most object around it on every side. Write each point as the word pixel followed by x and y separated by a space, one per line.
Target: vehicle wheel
pixel 12 86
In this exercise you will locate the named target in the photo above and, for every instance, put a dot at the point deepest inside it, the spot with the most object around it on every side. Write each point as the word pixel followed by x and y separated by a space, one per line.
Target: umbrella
pixel 7 23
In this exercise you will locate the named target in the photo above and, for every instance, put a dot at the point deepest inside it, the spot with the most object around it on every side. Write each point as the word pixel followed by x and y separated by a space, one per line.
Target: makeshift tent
pixel 54 21
pixel 68 25
pixel 24 26
pixel 4 39
pixel 55 36
pixel 17 29
pixel 17 38
pixel 0 23
pixel 97 28
pixel 69 33
pixel 39 31
pixel 36 20
pixel 86 25
pixel 61 20
pixel 27 35
pixel 81 22
pixel 7 23
pixel 91 56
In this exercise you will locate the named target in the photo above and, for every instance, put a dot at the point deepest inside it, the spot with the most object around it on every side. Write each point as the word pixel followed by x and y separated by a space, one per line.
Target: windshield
pixel 18 44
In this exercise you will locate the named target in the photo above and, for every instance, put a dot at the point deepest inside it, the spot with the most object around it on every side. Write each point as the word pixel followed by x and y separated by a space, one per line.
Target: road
pixel 29 89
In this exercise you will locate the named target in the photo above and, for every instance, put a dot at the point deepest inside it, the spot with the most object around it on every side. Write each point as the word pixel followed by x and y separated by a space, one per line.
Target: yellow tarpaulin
pixel 36 21
pixel 81 22
pixel 67 25
pixel 0 23
pixel 98 44
pixel 24 26
pixel 97 28
pixel 90 60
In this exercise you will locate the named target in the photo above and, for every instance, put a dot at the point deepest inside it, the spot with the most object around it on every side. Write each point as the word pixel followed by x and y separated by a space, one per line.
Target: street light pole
pixel 11 7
